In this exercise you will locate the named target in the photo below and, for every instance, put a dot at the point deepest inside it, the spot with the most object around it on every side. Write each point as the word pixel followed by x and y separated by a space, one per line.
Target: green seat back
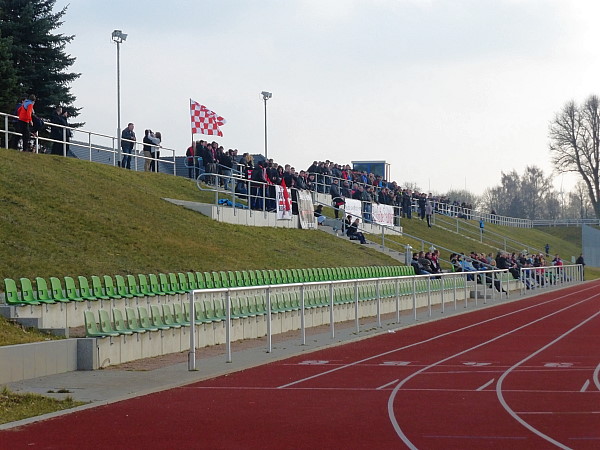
pixel 91 327
pixel 122 287
pixel 58 293
pixel 180 319
pixel 11 292
pixel 133 287
pixel 208 280
pixel 168 317
pixel 105 324
pixel 120 324
pixel 43 293
pixel 109 287
pixel 200 281
pixel 155 285
pixel 145 321
pixel 183 282
pixel 97 288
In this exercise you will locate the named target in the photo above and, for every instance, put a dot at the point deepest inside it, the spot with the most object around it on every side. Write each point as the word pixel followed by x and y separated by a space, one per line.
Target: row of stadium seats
pixel 107 287
pixel 165 316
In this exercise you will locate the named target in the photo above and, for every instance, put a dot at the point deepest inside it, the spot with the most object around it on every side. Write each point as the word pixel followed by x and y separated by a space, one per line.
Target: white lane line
pixel 557 413
pixel 481 388
pixel 505 374
pixel 596 381
pixel 391 413
pixel 439 336
pixel 585 386
pixel 388 384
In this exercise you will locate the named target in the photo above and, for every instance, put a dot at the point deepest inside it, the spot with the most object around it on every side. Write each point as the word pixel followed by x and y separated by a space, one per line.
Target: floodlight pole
pixel 266 96
pixel 119 37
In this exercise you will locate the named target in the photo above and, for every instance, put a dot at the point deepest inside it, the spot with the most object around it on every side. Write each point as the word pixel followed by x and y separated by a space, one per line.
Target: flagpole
pixel 193 149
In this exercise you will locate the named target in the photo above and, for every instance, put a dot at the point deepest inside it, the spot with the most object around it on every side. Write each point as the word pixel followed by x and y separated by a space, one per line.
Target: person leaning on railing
pixel 127 144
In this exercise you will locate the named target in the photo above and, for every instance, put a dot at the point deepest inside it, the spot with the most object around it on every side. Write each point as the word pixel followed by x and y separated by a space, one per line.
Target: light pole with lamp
pixel 119 37
pixel 266 96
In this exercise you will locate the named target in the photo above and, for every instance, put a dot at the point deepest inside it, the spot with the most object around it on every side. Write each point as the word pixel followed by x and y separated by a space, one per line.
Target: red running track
pixel 519 375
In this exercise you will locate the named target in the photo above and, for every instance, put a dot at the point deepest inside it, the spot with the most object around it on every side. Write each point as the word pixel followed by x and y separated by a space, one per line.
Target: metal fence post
pixel 228 328
pixel 192 353
pixel 302 312
pixel 356 306
pixel 331 316
pixel 269 336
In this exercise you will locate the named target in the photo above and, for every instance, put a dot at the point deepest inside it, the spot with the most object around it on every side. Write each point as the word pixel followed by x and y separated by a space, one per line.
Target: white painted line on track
pixel 482 387
pixel 439 336
pixel 596 381
pixel 585 386
pixel 388 384
pixel 505 374
pixel 557 413
pixel 391 413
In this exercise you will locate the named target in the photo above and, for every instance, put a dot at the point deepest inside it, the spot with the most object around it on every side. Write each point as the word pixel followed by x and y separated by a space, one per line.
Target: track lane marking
pixel 388 384
pixel 433 338
pixel 391 413
pixel 483 386
pixel 596 381
pixel 585 386
pixel 505 405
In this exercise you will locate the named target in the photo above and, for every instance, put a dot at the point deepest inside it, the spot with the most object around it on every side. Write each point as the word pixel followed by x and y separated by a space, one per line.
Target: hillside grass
pixel 61 216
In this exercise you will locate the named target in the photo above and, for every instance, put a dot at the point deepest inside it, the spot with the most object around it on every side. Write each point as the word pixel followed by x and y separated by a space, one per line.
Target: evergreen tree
pixel 9 91
pixel 37 54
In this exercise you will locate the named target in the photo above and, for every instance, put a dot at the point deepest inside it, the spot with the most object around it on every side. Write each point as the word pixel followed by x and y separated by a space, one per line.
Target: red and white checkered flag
pixel 205 121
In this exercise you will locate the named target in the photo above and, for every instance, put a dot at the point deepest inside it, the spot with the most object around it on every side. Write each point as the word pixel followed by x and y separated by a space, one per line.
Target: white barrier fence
pixel 448 286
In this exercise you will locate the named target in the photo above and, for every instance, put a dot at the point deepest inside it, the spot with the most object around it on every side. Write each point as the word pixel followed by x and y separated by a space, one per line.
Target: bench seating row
pixel 107 287
pixel 176 315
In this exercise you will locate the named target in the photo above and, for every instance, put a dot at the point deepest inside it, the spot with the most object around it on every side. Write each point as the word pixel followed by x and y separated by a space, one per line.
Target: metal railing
pixel 84 139
pixel 446 284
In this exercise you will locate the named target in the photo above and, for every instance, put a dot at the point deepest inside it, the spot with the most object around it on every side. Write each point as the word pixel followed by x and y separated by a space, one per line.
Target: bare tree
pixel 575 144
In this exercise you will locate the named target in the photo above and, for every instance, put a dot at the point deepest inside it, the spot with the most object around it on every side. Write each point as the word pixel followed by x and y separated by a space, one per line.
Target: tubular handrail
pixel 91 142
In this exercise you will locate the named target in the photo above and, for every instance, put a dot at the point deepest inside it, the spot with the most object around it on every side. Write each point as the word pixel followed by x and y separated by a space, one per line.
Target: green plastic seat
pixel 122 287
pixel 174 284
pixel 219 307
pixel 258 276
pixel 253 278
pixel 239 279
pixel 200 281
pixel 105 324
pixel 248 278
pixel 145 321
pixel 120 324
pixel 91 327
pixel 109 287
pixel 165 284
pixel 85 292
pixel 192 281
pixel 208 280
pixel 133 287
pixel 12 294
pixel 44 295
pixel 133 321
pixel 155 285
pixel 58 294
pixel 183 283
pixel 157 318
pixel 97 288
pixel 168 316
pixel 223 279
pixel 180 318
pixel 144 286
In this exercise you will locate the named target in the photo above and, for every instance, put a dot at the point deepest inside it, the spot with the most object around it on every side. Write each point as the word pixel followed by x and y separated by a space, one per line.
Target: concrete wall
pixel 23 361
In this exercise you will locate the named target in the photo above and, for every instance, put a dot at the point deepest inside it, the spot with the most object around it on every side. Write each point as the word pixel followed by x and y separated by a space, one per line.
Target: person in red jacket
pixel 23 126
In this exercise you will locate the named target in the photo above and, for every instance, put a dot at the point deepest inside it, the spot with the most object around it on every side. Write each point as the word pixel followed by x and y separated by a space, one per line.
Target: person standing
pixel 127 144
pixel 58 134
pixel 481 225
pixel 150 142
pixel 25 113
pixel 547 248
pixel 580 260
pixel 336 197
pixel 428 211
pixel 156 155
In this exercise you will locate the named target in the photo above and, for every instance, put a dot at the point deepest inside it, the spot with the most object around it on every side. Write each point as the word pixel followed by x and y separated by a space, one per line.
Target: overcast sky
pixel 449 92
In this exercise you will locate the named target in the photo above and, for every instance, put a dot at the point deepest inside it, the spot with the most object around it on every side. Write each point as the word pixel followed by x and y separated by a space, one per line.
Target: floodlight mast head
pixel 266 95
pixel 118 36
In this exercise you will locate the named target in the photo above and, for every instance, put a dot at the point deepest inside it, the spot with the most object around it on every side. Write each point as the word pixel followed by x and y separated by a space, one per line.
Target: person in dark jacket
pixel 58 133
pixel 336 197
pixel 353 233
pixel 127 135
